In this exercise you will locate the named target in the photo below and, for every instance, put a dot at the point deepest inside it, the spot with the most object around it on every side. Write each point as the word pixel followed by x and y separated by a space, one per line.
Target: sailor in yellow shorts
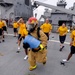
pixel 38 54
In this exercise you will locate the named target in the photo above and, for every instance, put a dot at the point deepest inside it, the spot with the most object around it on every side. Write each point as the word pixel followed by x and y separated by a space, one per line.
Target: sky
pixel 40 9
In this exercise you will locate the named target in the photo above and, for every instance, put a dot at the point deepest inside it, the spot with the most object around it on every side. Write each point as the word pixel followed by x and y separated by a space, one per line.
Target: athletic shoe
pixel 26 57
pixel 65 61
pixel 17 51
pixel 3 40
pixel 18 48
pixel 61 48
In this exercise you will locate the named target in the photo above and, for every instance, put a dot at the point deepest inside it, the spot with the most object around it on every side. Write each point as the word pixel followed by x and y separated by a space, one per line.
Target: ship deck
pixel 12 63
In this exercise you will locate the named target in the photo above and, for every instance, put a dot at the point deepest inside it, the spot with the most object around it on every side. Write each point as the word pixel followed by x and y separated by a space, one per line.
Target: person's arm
pixel 41 27
pixel 57 30
pixel 50 29
pixel 19 20
pixel 72 39
pixel 71 42
pixel 66 31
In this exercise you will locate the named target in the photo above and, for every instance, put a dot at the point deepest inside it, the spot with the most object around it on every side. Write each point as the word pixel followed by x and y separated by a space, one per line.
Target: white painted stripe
pixel 9 34
pixel 49 40
pixel 59 42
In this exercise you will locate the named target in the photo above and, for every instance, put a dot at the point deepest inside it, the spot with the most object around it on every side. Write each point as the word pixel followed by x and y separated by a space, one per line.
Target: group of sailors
pixel 41 33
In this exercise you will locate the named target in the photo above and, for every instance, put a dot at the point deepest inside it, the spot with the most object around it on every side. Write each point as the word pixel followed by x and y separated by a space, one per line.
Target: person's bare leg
pixel 14 34
pixel 26 52
pixel 3 37
pixel 0 38
pixel 19 42
pixel 69 56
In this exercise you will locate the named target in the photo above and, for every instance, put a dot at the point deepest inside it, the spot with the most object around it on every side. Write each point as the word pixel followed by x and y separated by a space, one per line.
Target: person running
pixel 15 26
pixel 22 26
pixel 39 53
pixel 72 48
pixel 1 31
pixel 46 28
pixel 62 35
pixel 23 35
pixel 5 26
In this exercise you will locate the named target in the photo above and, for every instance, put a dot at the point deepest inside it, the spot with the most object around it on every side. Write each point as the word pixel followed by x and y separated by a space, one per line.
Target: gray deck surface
pixel 12 63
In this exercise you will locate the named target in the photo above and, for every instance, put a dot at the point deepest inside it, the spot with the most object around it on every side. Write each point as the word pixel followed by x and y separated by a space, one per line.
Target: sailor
pixel 1 31
pixel 72 48
pixel 15 26
pixel 38 54
pixel 46 28
pixel 23 35
pixel 5 26
pixel 62 30
pixel 22 26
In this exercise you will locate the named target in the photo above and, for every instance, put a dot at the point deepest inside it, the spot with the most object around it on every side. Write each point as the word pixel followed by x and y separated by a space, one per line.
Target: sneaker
pixel 61 48
pixel 3 40
pixel 26 57
pixel 18 48
pixel 65 61
pixel 17 51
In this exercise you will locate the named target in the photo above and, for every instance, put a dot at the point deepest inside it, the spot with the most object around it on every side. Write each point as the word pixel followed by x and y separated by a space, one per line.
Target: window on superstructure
pixel 27 2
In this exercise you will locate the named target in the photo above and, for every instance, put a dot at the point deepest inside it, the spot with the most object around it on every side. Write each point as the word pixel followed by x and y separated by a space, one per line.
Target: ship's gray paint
pixel 18 9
